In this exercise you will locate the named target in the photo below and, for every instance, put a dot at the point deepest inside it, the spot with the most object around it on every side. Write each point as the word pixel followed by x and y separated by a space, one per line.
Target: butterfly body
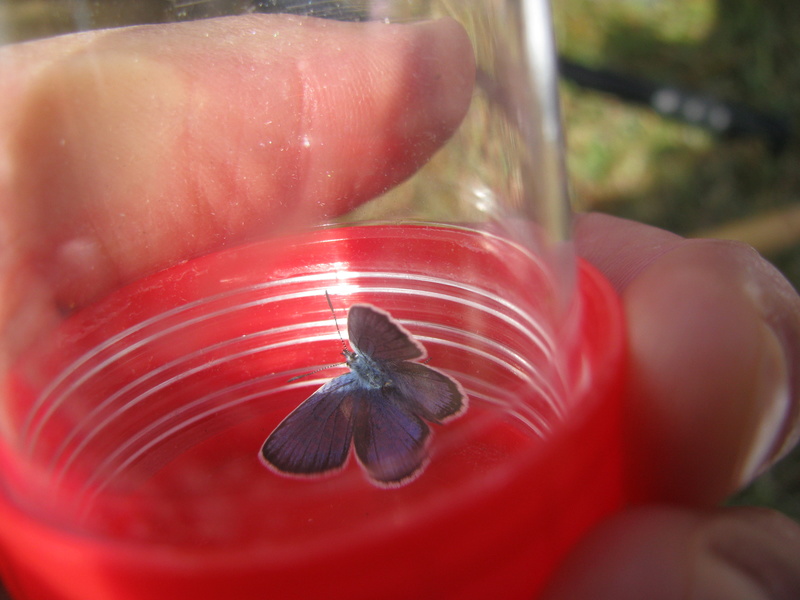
pixel 369 371
pixel 380 407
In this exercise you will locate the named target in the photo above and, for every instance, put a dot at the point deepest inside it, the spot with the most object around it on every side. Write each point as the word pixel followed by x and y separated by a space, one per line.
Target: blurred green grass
pixel 629 161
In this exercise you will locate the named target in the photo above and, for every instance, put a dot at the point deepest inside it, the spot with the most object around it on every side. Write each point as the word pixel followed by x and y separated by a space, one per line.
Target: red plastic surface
pixel 136 499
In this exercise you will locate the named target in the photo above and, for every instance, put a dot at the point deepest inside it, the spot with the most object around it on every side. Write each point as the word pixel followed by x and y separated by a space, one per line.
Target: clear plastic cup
pixel 132 422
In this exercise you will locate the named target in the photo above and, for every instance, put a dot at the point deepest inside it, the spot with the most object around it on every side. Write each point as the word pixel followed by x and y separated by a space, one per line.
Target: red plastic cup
pixel 133 468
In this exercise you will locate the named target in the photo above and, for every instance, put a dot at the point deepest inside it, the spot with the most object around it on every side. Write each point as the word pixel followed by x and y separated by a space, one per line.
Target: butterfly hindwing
pixel 389 441
pixel 374 333
pixel 316 436
pixel 427 392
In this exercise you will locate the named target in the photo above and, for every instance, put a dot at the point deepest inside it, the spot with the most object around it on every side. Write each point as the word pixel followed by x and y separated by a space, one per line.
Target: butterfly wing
pixel 390 442
pixel 374 333
pixel 316 436
pixel 427 392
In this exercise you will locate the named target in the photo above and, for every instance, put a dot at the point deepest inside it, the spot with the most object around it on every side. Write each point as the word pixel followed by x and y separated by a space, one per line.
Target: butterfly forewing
pixel 390 442
pixel 316 436
pixel 376 334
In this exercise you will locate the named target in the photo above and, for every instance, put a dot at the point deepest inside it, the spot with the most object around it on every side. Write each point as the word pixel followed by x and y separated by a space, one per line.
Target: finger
pixel 127 150
pixel 714 333
pixel 674 554
pixel 144 145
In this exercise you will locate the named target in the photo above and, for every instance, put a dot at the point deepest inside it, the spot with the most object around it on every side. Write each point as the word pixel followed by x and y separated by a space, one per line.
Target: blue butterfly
pixel 380 406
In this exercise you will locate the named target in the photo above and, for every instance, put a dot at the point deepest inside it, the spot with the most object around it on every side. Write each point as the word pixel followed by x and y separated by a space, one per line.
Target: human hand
pixel 166 187
pixel 713 400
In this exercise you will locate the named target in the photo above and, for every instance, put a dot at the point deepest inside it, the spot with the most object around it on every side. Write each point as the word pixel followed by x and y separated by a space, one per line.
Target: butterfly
pixel 380 407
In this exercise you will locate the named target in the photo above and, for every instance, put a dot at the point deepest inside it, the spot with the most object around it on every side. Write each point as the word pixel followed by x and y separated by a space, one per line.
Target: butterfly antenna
pixel 330 305
pixel 315 371
pixel 335 322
